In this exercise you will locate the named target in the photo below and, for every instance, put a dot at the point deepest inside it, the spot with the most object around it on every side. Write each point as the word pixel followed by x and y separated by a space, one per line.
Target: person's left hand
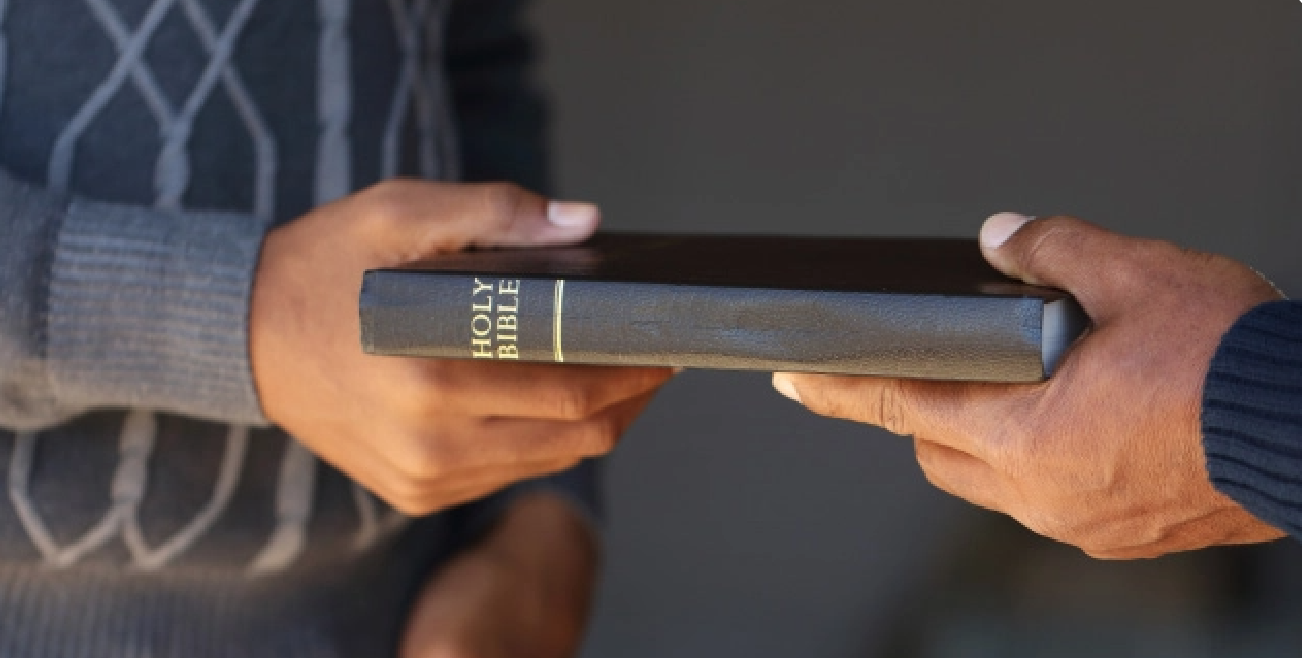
pixel 523 592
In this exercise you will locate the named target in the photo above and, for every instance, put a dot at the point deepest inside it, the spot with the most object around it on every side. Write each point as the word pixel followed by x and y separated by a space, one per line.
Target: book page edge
pixel 1063 322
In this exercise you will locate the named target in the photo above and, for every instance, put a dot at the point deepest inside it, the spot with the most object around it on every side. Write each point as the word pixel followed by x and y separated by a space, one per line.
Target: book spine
pixel 565 321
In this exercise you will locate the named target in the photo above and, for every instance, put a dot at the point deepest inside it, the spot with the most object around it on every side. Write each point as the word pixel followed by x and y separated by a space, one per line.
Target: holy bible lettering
pixel 928 308
pixel 495 329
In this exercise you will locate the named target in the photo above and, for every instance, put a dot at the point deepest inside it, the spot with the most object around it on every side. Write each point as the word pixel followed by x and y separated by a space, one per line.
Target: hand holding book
pixel 1107 455
pixel 423 434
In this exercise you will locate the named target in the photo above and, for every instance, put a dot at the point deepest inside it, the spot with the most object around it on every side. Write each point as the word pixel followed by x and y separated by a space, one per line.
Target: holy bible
pixel 898 307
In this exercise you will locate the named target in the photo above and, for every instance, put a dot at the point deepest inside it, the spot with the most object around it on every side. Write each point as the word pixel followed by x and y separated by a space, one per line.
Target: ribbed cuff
pixel 1252 415
pixel 150 309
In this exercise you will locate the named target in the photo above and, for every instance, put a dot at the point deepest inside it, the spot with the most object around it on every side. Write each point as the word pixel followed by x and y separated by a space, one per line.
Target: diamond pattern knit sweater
pixel 146 147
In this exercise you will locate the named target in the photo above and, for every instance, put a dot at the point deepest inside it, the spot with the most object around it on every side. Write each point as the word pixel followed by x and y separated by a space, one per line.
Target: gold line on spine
pixel 556 322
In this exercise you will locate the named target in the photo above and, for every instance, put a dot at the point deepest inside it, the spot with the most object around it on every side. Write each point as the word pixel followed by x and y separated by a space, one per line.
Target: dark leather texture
pixel 906 307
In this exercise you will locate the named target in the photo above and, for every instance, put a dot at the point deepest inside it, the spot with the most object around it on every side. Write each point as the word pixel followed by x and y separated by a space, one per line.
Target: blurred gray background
pixel 742 526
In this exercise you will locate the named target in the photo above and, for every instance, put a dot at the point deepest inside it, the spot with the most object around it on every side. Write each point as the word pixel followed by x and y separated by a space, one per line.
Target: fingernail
pixel 996 231
pixel 571 214
pixel 785 387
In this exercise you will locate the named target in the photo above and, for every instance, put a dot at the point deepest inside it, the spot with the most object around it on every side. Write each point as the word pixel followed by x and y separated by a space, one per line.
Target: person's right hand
pixel 423 434
pixel 1107 455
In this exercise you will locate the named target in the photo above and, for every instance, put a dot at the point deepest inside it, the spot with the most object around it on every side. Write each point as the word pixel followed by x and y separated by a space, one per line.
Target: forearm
pixel 577 488
pixel 524 590
pixel 541 532
pixel 110 305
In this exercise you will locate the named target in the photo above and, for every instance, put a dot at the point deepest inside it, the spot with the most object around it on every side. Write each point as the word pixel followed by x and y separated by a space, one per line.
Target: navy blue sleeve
pixel 1252 415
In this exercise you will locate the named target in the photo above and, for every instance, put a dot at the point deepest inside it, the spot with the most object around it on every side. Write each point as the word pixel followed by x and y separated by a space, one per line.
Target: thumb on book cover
pixel 1061 252
pixel 413 220
pixel 542 222
pixel 506 215
pixel 515 217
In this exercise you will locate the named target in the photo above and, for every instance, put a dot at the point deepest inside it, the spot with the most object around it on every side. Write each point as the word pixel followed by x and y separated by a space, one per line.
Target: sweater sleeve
pixel 501 119
pixel 1252 414
pixel 108 305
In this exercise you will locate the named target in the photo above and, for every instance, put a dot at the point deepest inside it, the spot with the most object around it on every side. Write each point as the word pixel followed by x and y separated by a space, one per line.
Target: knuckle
pixel 892 407
pixel 884 403
pixel 599 436
pixel 1099 552
pixel 419 459
pixel 816 393
pixel 386 204
pixel 572 403
pixel 644 380
pixel 1048 238
pixel 1045 520
pixel 500 200
pixel 404 495
pixel 931 471
pixel 1110 546
pixel 927 458
pixel 1039 523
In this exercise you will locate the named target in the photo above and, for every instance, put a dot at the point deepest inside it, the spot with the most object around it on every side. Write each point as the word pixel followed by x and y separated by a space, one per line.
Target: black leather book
pixel 902 307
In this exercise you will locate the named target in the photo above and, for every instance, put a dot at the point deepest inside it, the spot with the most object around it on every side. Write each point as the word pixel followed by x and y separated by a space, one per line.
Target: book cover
pixel 902 307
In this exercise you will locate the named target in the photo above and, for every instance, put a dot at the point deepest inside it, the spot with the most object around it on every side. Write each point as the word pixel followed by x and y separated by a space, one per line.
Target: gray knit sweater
pixel 146 147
